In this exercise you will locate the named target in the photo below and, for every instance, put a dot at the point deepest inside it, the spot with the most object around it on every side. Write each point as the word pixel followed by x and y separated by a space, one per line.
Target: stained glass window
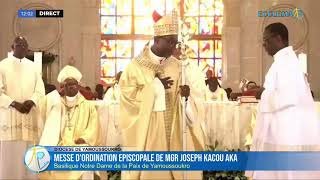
pixel 107 69
pixel 206 49
pixel 108 49
pixel 126 26
pixel 138 46
pixel 143 25
pixel 108 25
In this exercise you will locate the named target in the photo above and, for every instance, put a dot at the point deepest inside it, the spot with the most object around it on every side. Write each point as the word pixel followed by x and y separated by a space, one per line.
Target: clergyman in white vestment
pixel 21 88
pixel 142 97
pixel 286 119
pixel 109 115
pixel 71 121
pixel 113 93
pixel 214 92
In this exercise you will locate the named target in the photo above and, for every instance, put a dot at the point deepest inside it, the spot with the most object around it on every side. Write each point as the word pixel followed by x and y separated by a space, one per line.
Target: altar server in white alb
pixel 110 133
pixel 113 93
pixel 286 119
pixel 21 88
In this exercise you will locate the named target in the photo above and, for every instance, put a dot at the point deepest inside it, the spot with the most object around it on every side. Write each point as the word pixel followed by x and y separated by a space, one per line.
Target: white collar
pixel 71 101
pixel 283 52
pixel 153 56
pixel 17 59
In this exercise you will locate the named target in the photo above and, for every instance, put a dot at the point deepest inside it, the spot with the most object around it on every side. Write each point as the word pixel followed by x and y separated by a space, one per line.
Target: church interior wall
pixel 79 37
pixel 243 54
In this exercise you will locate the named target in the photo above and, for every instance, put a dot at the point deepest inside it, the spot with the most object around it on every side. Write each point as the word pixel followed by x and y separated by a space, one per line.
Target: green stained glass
pixel 192 24
pixel 191 7
pixel 193 51
pixel 123 24
pixel 123 7
pixel 108 67
pixel 206 25
pixel 108 49
pixel 206 49
pixel 143 25
pixel 123 48
pixel 108 7
pixel 138 46
pixel 207 7
pixel 108 25
pixel 122 64
pixel 218 49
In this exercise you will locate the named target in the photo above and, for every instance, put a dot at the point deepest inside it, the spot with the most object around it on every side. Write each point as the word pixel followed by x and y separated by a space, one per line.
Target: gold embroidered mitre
pixel 165 25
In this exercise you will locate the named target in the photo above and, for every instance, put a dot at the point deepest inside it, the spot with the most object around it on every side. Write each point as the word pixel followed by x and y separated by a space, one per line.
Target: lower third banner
pixel 39 158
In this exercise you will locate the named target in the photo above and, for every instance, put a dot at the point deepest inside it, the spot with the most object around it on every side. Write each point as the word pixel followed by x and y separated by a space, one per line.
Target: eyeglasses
pixel 178 45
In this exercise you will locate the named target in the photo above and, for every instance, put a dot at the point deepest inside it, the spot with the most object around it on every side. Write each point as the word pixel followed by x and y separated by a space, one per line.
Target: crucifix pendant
pixel 69 125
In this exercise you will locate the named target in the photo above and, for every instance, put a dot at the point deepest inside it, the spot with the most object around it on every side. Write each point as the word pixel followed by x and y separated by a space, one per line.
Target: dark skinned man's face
pixel 20 47
pixel 213 84
pixel 166 45
pixel 271 42
pixel 71 87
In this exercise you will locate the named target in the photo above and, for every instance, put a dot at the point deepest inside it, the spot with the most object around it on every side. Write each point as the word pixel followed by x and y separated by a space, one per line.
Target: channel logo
pixel 37 159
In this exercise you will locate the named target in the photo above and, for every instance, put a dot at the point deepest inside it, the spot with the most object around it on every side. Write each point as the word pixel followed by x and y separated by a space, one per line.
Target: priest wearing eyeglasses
pixel 286 118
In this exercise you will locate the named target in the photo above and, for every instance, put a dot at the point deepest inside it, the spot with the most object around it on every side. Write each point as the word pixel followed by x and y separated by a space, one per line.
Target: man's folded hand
pixel 18 106
pixel 80 141
pixel 167 82
pixel 185 91
pixel 27 105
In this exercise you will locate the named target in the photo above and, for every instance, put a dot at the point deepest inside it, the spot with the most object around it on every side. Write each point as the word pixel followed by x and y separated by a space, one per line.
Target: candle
pixel 303 62
pixel 38 61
